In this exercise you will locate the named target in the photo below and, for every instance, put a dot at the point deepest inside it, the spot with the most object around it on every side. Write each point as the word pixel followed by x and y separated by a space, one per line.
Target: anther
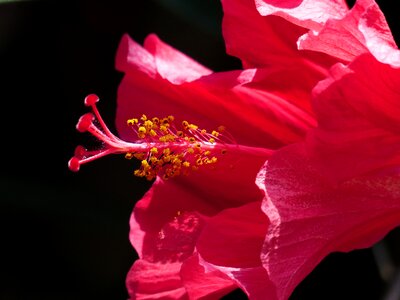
pixel 163 146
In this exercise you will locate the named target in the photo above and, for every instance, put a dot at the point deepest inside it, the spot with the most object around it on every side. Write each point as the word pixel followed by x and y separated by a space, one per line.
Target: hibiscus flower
pixel 307 162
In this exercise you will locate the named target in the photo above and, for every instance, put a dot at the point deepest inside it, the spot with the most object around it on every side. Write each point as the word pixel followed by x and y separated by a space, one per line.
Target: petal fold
pixel 310 14
pixel 267 41
pixel 363 29
pixel 358 122
pixel 236 99
pixel 311 217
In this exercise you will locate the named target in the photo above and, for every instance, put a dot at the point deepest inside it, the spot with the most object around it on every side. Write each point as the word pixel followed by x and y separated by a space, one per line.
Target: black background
pixel 64 235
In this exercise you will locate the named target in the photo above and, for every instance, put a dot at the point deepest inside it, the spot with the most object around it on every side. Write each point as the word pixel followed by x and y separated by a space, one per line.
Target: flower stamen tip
pixel 74 164
pixel 84 122
pixel 91 99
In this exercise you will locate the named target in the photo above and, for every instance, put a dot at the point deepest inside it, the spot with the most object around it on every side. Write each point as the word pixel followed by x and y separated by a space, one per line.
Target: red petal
pixel 358 122
pixel 167 59
pixel 147 280
pixel 202 284
pixel 234 237
pixel 264 41
pixel 157 58
pixel 311 217
pixel 232 241
pixel 253 116
pixel 363 29
pixel 310 14
pixel 254 281
pixel 166 222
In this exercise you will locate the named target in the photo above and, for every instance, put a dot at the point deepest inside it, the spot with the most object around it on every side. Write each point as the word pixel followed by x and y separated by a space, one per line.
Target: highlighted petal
pixel 203 284
pixel 167 221
pixel 231 242
pixel 157 58
pixel 148 280
pixel 358 122
pixel 311 217
pixel 310 14
pixel 363 29
pixel 236 99
pixel 267 41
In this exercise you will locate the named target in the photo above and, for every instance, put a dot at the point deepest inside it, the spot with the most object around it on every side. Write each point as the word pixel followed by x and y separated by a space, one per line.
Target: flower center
pixel 164 146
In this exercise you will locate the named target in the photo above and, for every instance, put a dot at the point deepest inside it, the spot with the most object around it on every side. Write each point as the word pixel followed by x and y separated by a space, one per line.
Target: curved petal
pixel 203 284
pixel 363 29
pixel 158 58
pixel 311 217
pixel 231 242
pixel 252 116
pixel 149 280
pixel 242 229
pixel 310 14
pixel 358 122
pixel 167 221
pixel 266 41
pixel 254 281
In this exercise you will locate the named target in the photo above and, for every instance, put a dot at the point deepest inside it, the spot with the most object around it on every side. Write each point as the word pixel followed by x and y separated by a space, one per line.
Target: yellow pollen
pixel 185 125
pixel 174 148
pixel 148 124
pixel 142 129
pixel 128 155
pixel 132 122
pixel 193 127
pixel 139 156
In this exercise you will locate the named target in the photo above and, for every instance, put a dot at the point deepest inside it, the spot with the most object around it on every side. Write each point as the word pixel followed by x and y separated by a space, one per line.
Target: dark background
pixel 64 235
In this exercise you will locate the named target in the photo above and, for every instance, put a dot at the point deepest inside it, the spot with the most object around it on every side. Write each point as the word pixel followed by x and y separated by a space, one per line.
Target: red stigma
pixel 91 99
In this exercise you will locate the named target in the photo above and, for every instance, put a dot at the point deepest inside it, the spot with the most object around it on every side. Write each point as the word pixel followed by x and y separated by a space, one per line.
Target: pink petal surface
pixel 254 281
pixel 148 280
pixel 363 29
pixel 241 229
pixel 231 242
pixel 167 221
pixel 167 58
pixel 310 14
pixel 267 41
pixel 311 217
pixel 203 284
pixel 206 192
pixel 165 226
pixel 358 119
pixel 253 116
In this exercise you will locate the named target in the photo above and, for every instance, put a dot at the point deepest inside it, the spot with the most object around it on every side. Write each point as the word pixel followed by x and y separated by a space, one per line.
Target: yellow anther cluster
pixel 173 150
